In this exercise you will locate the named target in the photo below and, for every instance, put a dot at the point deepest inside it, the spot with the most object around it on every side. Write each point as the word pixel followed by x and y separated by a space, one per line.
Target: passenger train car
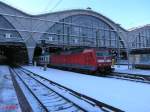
pixel 87 59
pixel 141 58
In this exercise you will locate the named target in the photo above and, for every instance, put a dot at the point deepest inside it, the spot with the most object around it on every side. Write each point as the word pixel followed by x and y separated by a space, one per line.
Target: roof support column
pixel 30 51
pixel 30 45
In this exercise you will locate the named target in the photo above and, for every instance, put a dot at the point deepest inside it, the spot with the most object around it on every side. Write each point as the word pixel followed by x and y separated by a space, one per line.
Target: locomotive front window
pixel 102 53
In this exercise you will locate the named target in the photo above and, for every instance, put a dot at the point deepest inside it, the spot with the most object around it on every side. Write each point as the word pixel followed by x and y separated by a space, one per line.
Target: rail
pixel 131 77
pixel 24 104
pixel 103 106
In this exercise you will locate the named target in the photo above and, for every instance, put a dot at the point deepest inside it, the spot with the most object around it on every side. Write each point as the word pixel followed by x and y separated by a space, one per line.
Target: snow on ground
pixel 8 98
pixel 126 95
pixel 124 69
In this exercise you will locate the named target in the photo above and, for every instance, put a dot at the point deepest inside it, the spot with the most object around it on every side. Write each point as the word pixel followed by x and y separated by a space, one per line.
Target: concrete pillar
pixel 30 51
pixel 30 45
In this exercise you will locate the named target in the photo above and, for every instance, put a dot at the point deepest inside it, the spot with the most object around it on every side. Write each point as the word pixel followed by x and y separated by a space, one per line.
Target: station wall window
pixel 8 35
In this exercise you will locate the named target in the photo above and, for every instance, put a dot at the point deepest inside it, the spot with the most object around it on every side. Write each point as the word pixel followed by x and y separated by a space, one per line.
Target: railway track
pixel 116 75
pixel 53 97
pixel 130 77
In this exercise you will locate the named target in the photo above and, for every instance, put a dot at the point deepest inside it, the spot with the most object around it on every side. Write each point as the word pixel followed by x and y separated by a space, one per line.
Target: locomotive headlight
pixel 100 61
pixel 108 60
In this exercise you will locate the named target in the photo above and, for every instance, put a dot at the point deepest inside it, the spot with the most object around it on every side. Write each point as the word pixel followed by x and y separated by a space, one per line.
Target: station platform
pixel 130 70
pixel 8 97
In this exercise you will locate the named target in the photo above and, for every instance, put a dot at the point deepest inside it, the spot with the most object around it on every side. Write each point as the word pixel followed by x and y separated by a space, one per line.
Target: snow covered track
pixel 47 98
pixel 54 97
pixel 131 77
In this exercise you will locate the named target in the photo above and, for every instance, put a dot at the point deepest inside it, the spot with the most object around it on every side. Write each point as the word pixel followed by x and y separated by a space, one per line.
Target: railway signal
pixel 43 42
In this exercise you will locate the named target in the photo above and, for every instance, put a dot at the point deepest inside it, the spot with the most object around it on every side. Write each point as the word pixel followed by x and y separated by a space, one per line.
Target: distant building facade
pixel 140 37
pixel 140 46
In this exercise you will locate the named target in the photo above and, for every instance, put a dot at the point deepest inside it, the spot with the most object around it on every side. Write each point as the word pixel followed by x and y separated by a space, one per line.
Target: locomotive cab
pixel 104 60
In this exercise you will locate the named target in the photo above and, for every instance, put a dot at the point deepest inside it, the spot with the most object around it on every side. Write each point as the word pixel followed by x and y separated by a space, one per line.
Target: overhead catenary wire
pixel 56 5
pixel 50 10
pixel 47 6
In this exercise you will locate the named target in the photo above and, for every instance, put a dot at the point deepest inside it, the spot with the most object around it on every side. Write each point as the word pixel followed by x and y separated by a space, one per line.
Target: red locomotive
pixel 88 59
